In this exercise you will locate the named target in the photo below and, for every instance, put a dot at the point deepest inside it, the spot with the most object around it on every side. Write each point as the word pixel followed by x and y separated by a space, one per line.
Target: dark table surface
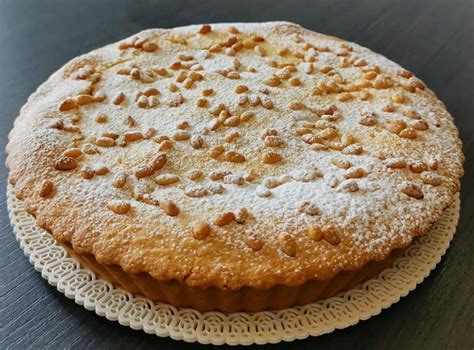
pixel 434 39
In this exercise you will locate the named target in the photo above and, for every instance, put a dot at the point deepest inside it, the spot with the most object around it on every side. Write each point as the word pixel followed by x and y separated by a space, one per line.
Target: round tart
pixel 234 166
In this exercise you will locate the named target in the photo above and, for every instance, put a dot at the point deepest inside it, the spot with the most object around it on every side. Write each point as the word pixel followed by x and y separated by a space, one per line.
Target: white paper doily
pixel 343 310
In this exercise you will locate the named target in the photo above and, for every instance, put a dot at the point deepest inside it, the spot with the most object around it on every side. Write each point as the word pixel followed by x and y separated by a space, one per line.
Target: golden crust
pixel 382 214
pixel 246 299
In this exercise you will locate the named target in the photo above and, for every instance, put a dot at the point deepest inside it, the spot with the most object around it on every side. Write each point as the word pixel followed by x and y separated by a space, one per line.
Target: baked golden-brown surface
pixel 235 155
pixel 244 299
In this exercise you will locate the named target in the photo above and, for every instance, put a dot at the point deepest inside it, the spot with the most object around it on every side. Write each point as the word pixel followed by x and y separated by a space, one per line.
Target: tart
pixel 234 167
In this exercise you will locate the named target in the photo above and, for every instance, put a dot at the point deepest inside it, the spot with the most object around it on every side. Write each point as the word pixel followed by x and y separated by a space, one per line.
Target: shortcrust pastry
pixel 237 166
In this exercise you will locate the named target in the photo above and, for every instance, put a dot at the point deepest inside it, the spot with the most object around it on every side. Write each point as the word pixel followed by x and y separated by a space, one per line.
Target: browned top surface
pixel 358 110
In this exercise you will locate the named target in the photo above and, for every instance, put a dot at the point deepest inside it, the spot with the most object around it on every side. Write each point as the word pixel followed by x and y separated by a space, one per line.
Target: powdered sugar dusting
pixel 371 214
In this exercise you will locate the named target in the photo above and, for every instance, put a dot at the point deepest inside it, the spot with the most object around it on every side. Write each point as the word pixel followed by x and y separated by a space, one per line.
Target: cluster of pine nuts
pixel 291 67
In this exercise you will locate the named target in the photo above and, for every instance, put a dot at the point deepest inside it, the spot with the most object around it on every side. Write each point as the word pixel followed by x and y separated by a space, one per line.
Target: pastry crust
pixel 246 299
pixel 343 159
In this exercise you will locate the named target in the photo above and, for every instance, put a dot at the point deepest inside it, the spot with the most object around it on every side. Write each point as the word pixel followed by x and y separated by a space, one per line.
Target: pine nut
pixel 341 163
pixel 84 100
pixel 201 230
pixel 395 163
pixel 216 151
pixel 420 125
pixel 234 157
pixel 206 28
pixel 418 167
pixel 430 178
pixel 241 89
pixel 201 102
pixel 144 171
pixel 315 233
pixel 101 170
pixel 105 142
pixel 273 81
pixel 65 163
pixel 330 234
pixel 308 208
pixel 67 105
pixel 120 179
pixel 159 161
pixel 246 116
pixel 271 157
pixel 273 141
pixel 118 99
pixel 181 135
pixel 287 244
pixel 46 189
pixel 166 179
pixel 131 136
pixel 72 152
pixel 196 141
pixel 119 206
pixel 253 242
pixel 196 192
pixel 224 218
pixel 169 207
pixel 408 133
pixel 354 173
pixel 149 47
pixel 411 190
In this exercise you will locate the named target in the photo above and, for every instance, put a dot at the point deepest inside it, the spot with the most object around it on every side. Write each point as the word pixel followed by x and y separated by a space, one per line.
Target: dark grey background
pixel 434 39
